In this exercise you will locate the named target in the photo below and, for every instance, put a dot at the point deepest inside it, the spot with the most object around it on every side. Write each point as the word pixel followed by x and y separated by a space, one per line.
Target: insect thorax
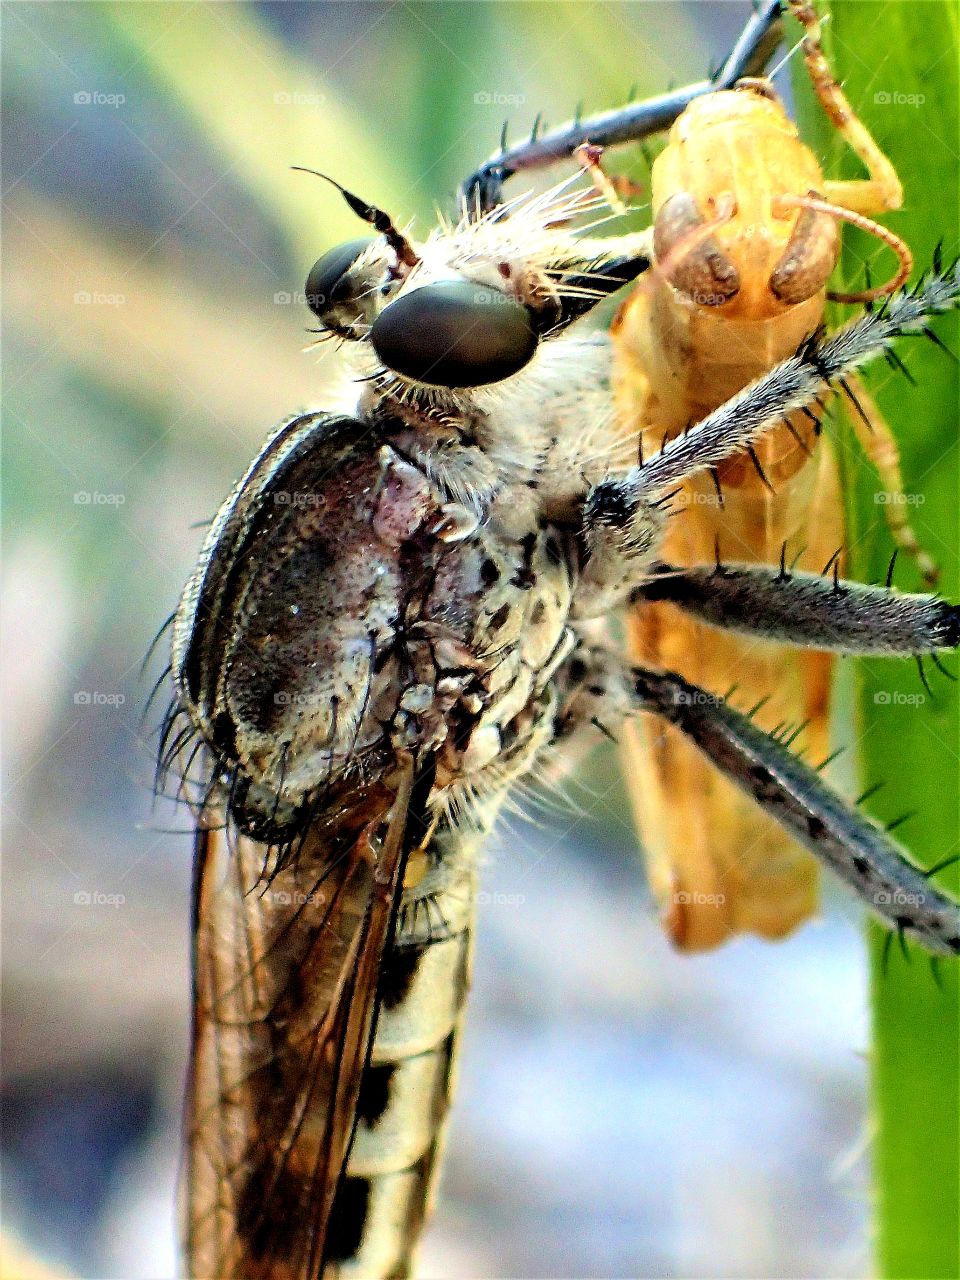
pixel 378 613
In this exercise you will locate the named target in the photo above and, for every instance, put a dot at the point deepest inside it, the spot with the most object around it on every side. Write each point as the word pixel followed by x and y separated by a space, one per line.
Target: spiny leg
pixel 809 610
pixel 613 505
pixel 879 444
pixel 603 689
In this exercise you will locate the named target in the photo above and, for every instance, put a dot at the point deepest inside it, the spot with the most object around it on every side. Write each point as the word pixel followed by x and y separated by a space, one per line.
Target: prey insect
pixel 744 240
pixel 389 623
pixel 715 317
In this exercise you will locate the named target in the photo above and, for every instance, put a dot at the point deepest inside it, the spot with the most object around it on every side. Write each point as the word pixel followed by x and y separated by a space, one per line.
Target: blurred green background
pixel 622 1111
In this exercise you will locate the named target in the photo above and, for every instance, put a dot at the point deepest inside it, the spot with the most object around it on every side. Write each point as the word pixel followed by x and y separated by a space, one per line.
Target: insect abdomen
pixel 718 866
pixel 406 1088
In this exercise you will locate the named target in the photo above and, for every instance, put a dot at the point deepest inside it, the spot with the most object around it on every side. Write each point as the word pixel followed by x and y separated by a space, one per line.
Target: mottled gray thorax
pixel 348 606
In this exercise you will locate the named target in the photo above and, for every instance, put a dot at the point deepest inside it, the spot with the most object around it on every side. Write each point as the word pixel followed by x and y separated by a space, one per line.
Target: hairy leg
pixel 809 610
pixel 617 512
pixel 602 689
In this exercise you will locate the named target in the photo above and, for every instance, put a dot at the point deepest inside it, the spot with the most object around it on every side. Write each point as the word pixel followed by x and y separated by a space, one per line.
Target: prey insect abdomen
pixel 741 283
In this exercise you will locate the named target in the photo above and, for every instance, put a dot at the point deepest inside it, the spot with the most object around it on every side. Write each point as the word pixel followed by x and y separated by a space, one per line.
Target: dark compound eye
pixel 332 292
pixel 454 334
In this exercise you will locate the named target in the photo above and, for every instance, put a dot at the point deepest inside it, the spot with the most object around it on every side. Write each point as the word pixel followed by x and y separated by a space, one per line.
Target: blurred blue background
pixel 621 1110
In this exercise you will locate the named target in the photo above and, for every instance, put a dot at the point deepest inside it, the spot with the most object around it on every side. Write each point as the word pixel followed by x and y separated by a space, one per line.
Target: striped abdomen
pixel 407 1086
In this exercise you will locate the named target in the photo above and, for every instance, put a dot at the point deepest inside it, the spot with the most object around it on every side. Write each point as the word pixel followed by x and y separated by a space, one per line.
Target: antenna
pixel 379 220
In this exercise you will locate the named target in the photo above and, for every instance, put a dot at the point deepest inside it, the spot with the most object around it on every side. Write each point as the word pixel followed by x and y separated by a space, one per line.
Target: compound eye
pixel 454 334
pixel 332 292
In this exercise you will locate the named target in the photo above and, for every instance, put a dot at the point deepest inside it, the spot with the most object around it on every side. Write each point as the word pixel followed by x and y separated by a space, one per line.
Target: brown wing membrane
pixel 285 982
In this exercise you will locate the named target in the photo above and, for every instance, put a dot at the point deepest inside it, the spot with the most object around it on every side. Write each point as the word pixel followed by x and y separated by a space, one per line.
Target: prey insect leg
pixel 810 610
pixel 882 190
pixel 604 688
pixel 879 444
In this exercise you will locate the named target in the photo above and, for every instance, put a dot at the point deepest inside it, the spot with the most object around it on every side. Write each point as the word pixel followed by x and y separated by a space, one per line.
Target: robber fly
pixel 390 621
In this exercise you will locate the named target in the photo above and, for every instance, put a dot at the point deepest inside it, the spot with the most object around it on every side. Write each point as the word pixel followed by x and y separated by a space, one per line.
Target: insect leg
pixel 810 610
pixel 793 384
pixel 882 190
pixel 483 190
pixel 879 444
pixel 857 849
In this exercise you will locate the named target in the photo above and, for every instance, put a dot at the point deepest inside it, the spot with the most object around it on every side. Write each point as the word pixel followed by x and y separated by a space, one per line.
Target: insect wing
pixel 285 982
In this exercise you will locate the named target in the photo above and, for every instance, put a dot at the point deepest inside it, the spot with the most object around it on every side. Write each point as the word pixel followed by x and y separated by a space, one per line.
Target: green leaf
pixel 897 60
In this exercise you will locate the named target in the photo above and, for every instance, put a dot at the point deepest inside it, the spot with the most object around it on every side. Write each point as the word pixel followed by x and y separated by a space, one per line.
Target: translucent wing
pixel 284 988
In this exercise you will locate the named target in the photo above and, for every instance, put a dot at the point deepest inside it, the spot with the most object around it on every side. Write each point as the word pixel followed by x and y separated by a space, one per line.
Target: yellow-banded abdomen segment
pixel 407 1086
